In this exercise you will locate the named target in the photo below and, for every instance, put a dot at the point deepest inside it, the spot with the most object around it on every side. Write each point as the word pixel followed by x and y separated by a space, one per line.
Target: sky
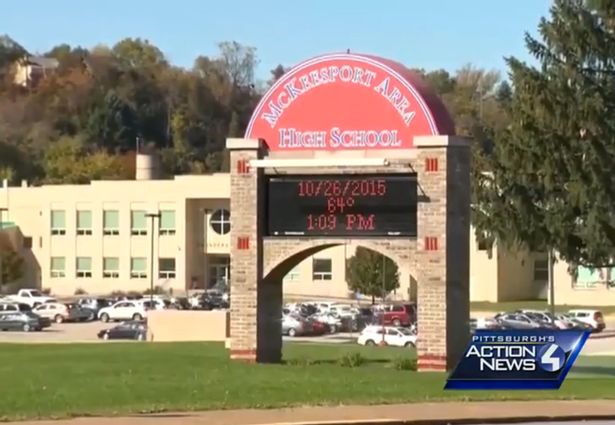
pixel 421 34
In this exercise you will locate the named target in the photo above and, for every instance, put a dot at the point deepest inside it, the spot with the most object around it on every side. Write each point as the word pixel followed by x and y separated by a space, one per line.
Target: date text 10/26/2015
pixel 339 196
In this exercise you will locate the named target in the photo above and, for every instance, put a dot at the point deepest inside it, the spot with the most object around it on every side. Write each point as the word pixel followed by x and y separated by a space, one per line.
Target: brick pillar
pixel 246 248
pixel 443 251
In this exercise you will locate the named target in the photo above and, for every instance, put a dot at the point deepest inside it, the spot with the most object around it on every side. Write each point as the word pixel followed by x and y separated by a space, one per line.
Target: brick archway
pixel 280 256
pixel 438 258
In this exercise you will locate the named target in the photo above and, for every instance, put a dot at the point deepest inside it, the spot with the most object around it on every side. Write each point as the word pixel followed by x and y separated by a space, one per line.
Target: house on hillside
pixel 30 70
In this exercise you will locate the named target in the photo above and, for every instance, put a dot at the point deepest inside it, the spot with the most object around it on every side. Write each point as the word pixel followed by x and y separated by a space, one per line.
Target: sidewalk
pixel 420 413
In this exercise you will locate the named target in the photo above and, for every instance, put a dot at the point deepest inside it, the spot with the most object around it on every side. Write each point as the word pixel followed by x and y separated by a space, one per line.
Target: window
pixel 111 267
pixel 482 246
pixel 321 269
pixel 166 268
pixel 84 267
pixel 294 274
pixel 84 222
pixel 138 267
pixel 220 221
pixel 58 222
pixel 58 265
pixel 167 222
pixel 111 222
pixel 541 270
pixel 138 223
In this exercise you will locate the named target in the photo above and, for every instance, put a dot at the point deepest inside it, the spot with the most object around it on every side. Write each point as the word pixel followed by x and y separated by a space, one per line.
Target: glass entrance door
pixel 219 272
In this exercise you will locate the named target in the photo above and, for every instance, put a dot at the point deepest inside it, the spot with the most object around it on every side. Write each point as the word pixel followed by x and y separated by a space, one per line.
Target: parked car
pixel 123 310
pixel 63 312
pixel 22 320
pixel 594 318
pixel 13 306
pixel 517 321
pixel 293 325
pixel 32 297
pixel 396 314
pixel 318 327
pixel 131 329
pixel 333 321
pixel 343 310
pixel 158 304
pixel 395 336
pixel 484 323
pixel 94 304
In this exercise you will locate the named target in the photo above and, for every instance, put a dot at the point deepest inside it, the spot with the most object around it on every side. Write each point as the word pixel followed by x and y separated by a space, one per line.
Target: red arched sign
pixel 348 102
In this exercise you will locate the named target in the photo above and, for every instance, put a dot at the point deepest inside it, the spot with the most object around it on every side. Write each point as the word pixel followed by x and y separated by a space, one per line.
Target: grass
pixel 61 380
pixel 537 305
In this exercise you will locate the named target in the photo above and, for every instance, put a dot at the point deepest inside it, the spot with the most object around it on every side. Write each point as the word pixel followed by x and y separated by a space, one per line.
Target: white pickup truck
pixel 32 297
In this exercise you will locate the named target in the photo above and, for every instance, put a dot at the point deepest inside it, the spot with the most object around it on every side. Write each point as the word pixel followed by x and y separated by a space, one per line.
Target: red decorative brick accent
pixel 243 242
pixel 248 356
pixel 243 166
pixel 431 243
pixel 431 363
pixel 431 165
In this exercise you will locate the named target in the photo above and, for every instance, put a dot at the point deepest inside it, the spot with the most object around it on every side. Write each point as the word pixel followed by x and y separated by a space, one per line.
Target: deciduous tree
pixel 371 273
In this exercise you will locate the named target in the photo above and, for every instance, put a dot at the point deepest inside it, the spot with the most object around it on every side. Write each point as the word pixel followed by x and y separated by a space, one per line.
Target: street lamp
pixel 384 269
pixel 153 216
pixel 2 210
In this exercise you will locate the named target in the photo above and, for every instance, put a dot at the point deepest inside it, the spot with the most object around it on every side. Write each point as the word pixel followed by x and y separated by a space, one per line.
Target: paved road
pixel 600 344
pixel 445 412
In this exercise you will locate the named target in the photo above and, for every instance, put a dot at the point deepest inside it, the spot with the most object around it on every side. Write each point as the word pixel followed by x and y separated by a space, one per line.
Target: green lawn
pixel 60 380
pixel 538 305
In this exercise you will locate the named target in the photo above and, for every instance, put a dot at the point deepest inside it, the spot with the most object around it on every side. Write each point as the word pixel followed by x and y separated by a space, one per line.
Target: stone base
pixel 247 356
pixel 431 363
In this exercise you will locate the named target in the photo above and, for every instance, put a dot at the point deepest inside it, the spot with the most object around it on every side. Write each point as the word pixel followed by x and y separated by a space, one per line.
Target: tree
pixel 69 161
pixel 552 184
pixel 366 270
pixel 11 265
pixel 276 73
pixel 138 53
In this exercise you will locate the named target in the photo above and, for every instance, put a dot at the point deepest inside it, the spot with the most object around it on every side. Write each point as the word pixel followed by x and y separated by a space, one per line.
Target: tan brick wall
pixel 438 258
pixel 246 255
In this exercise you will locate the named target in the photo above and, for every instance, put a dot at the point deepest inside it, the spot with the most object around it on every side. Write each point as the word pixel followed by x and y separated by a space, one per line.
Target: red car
pixel 319 328
pixel 399 314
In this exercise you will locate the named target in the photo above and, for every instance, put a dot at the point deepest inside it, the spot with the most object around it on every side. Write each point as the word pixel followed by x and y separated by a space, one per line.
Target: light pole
pixel 384 269
pixel 551 282
pixel 153 217
pixel 2 210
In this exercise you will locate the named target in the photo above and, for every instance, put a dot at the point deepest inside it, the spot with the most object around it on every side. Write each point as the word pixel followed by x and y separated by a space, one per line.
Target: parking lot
pixel 598 344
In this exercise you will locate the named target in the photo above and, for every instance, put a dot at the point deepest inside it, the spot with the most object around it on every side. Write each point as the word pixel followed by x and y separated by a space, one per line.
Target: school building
pixel 111 235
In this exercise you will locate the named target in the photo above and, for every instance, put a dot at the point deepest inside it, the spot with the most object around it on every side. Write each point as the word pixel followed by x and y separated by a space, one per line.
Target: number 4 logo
pixel 551 358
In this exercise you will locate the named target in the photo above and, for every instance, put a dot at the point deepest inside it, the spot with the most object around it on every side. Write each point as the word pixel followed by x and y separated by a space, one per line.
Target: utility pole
pixel 551 282
pixel 383 342
pixel 153 217
pixel 2 210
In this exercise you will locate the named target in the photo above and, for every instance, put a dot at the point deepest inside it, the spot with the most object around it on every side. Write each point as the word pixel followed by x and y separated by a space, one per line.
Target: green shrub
pixel 301 361
pixel 157 291
pixel 351 360
pixel 404 363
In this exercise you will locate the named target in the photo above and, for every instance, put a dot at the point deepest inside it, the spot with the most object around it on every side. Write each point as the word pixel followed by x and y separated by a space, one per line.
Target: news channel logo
pixel 517 360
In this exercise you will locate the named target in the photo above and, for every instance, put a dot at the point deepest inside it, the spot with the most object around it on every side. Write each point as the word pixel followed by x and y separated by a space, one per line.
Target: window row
pixel 111 267
pixel 322 269
pixel 220 222
pixel 111 222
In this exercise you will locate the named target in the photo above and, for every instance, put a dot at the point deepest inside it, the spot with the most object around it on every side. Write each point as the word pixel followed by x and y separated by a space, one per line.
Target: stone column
pixel 246 252
pixel 443 250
